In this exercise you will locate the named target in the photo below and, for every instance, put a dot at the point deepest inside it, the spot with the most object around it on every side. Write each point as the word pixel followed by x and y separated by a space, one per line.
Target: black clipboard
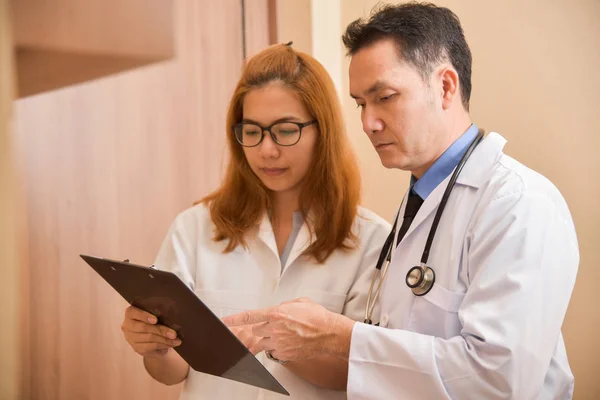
pixel 207 345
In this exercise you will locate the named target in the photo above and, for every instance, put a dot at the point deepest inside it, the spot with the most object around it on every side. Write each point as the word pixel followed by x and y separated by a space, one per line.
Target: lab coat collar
pixel 474 174
pixel 478 167
pixel 267 236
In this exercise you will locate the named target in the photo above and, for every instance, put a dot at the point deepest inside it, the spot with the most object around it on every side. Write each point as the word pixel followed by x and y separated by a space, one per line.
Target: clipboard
pixel 207 344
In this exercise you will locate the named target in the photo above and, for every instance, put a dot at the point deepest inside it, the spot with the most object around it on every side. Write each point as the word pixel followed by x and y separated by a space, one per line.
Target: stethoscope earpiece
pixel 420 279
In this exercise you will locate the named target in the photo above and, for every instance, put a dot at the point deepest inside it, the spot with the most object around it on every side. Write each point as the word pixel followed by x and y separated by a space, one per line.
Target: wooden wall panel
pixel 294 23
pixel 257 17
pixel 139 28
pixel 9 264
pixel 108 165
pixel 64 42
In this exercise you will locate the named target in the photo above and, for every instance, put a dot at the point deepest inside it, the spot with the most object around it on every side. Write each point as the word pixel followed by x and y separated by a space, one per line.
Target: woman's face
pixel 280 168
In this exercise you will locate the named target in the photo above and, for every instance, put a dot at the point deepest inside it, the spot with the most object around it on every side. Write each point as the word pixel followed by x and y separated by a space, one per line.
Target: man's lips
pixel 379 146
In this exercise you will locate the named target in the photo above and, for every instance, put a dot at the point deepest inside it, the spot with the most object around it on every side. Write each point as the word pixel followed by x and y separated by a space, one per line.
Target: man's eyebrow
pixel 372 89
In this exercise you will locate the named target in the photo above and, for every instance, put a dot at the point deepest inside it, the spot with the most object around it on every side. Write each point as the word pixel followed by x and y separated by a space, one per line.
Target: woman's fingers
pixel 145 335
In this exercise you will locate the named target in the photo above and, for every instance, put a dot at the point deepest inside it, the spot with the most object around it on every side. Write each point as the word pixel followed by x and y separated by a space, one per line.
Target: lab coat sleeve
pixel 370 245
pixel 522 261
pixel 177 252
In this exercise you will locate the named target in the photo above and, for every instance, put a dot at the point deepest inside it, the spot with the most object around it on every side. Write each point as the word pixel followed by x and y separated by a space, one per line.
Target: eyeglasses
pixel 282 133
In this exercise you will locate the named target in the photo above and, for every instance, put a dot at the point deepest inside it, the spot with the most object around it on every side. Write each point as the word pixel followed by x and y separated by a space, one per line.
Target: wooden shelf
pixel 64 42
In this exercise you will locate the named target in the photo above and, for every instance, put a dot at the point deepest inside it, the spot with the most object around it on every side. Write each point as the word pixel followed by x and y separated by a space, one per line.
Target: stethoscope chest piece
pixel 420 279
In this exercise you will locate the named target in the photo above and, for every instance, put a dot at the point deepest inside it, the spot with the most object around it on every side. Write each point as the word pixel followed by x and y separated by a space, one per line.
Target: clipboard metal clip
pixel 127 260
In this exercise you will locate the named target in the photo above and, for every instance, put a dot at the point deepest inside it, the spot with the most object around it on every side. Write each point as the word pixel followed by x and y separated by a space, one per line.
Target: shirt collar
pixel 444 165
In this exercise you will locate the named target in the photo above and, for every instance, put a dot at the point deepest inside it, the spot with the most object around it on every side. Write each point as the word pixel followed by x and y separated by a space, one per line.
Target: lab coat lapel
pixel 267 236
pixel 398 218
pixel 303 240
pixel 429 205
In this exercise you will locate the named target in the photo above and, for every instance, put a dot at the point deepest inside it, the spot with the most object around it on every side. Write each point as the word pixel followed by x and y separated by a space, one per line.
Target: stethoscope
pixel 419 279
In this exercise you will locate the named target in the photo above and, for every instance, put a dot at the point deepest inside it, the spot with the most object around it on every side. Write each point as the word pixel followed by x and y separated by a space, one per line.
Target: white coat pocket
pixel 436 313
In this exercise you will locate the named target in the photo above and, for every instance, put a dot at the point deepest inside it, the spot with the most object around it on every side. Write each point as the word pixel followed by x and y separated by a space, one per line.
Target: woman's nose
pixel 268 147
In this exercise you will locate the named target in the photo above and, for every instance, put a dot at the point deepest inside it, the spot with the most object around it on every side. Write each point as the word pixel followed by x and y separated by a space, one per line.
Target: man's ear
pixel 449 87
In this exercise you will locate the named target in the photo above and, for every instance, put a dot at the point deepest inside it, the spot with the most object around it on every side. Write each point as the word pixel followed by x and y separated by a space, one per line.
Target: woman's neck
pixel 284 204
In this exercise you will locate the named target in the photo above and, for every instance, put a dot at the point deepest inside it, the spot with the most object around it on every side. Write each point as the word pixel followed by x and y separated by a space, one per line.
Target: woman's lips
pixel 273 171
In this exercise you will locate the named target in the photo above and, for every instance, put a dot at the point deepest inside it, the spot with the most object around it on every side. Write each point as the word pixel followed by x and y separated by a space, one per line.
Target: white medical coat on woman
pixel 253 278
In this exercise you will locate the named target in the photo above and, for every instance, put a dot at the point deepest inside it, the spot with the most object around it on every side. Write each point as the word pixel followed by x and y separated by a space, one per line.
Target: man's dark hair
pixel 424 33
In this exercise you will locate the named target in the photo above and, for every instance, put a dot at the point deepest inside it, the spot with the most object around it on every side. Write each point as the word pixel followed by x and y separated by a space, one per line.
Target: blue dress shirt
pixel 444 165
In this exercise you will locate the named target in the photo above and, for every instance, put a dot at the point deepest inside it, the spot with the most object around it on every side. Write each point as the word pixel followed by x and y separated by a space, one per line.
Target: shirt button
pixel 384 320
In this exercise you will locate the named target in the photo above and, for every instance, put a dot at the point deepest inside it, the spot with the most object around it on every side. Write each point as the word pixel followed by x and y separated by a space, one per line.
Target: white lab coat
pixel 505 257
pixel 252 278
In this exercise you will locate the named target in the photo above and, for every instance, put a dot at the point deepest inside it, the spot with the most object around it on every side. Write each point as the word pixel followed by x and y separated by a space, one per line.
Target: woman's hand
pixel 145 336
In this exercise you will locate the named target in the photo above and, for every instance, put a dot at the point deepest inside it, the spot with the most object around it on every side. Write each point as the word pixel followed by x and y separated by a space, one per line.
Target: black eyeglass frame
pixel 300 126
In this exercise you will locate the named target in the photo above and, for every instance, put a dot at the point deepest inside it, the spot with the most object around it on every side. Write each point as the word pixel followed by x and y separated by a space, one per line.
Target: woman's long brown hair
pixel 331 190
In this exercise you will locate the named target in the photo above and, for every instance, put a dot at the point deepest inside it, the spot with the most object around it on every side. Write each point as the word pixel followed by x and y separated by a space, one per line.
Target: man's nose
pixel 371 121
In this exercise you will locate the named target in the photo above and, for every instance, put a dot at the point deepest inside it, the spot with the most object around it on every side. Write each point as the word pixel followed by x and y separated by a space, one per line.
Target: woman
pixel 284 224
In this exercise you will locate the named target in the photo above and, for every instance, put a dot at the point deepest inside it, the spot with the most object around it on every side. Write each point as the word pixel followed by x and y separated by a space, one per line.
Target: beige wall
pixel 9 271
pixel 535 81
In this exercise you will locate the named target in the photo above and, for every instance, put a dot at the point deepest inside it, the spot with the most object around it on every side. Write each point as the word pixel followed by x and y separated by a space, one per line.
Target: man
pixel 505 253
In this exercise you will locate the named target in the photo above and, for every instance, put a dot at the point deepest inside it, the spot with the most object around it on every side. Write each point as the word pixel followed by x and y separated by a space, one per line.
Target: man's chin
pixel 390 163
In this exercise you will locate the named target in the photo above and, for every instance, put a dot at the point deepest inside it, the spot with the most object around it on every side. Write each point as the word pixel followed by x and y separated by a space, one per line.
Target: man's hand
pixel 246 335
pixel 297 330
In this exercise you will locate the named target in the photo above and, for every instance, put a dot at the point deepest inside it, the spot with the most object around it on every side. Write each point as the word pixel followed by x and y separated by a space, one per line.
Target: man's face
pixel 399 110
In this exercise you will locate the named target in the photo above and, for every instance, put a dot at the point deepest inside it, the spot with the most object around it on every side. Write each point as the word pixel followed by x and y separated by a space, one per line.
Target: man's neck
pixel 448 135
